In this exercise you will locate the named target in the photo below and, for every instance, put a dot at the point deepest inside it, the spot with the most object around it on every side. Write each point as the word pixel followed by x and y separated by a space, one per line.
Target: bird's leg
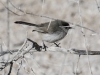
pixel 57 45
pixel 44 46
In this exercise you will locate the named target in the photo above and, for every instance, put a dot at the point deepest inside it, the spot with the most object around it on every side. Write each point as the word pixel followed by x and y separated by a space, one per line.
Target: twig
pixel 8 28
pixel 7 63
pixel 7 52
pixel 11 65
pixel 77 65
pixel 58 49
pixel 29 12
pixel 72 51
pixel 4 65
pixel 97 5
pixel 19 51
pixel 9 9
pixel 29 67
pixel 51 49
pixel 84 37
pixel 19 67
pixel 73 24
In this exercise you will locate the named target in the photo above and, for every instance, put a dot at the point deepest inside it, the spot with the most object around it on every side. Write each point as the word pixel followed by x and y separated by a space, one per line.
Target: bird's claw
pixel 57 45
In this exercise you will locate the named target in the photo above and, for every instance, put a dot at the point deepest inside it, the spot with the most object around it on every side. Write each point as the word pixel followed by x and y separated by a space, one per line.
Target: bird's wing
pixel 49 27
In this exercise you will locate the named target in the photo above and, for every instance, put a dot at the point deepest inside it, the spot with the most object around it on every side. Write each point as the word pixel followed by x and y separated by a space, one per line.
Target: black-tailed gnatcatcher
pixel 50 31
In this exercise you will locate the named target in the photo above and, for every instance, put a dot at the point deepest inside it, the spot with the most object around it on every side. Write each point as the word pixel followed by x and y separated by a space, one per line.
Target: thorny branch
pixel 53 49
pixel 39 48
pixel 5 64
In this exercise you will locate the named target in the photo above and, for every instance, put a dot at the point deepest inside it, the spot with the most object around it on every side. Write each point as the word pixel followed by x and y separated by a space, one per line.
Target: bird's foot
pixel 44 47
pixel 57 45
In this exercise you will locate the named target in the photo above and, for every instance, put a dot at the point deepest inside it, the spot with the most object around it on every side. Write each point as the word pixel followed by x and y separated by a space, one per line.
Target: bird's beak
pixel 70 27
pixel 33 30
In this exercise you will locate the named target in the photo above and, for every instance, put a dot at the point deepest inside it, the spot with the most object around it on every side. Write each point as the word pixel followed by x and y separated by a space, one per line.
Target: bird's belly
pixel 53 37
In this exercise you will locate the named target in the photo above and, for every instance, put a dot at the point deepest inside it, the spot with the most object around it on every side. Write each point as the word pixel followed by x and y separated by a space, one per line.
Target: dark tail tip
pixel 25 23
pixel 21 22
pixel 17 22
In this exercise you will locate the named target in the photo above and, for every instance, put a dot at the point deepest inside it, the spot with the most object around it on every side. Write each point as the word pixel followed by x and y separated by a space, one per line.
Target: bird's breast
pixel 54 37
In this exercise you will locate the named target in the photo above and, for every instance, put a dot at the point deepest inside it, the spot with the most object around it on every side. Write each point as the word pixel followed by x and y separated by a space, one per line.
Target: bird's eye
pixel 65 24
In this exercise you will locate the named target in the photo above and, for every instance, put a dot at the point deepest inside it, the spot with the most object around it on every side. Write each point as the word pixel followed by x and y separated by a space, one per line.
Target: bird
pixel 52 31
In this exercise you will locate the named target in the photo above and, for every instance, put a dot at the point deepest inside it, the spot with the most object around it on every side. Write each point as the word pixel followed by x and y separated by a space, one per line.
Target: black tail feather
pixel 25 23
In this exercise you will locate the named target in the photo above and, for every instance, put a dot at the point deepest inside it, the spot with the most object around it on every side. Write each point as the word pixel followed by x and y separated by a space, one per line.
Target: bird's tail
pixel 26 23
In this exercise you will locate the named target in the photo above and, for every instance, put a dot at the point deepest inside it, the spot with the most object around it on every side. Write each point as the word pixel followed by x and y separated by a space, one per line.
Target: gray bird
pixel 50 31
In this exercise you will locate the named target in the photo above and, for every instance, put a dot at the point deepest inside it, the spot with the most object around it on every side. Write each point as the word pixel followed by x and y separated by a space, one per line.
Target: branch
pixel 11 65
pixel 53 49
pixel 73 51
pixel 83 52
pixel 7 52
pixel 97 5
pixel 38 48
